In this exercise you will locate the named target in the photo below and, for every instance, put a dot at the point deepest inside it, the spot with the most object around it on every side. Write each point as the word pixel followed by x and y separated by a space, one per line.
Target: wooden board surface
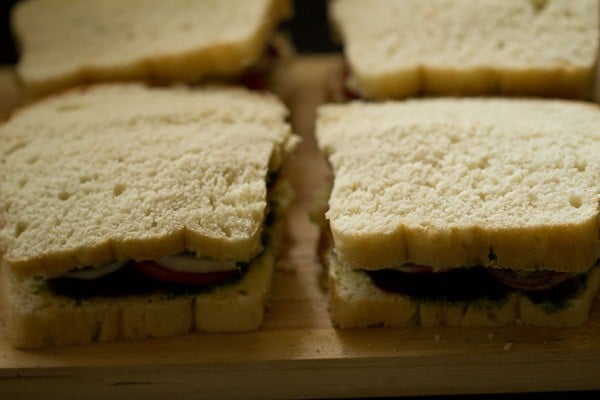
pixel 297 353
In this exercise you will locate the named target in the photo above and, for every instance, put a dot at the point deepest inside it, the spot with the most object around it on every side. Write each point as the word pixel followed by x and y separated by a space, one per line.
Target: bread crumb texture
pixel 399 48
pixel 126 171
pixel 65 42
pixel 464 182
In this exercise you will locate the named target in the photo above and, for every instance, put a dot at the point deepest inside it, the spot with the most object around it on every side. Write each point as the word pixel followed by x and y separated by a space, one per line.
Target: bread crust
pixel 568 248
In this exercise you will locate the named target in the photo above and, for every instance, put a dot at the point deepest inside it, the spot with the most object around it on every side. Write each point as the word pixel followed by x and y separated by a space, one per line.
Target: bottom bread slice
pixel 355 302
pixel 36 317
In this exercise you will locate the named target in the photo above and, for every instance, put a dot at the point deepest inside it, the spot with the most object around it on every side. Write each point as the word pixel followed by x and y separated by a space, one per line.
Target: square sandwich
pixel 462 212
pixel 130 212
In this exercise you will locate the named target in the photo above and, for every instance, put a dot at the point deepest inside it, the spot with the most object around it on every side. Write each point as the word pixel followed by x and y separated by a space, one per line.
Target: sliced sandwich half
pixel 69 42
pixel 131 212
pixel 462 212
pixel 520 47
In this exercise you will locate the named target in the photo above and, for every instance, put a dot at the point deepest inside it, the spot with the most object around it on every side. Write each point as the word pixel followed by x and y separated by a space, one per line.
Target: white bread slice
pixel 68 42
pixel 129 172
pixel 464 182
pixel 525 47
pixel 355 302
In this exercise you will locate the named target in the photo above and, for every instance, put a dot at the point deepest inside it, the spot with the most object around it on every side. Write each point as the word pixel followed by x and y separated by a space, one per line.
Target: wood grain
pixel 297 353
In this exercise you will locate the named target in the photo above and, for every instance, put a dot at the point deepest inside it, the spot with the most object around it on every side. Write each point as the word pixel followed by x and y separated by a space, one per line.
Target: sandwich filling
pixel 477 283
pixel 184 263
pixel 174 272
pixel 137 278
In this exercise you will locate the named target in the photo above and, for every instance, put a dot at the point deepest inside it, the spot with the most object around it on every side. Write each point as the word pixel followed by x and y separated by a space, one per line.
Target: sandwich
pixel 129 211
pixel 461 212
pixel 69 42
pixel 396 49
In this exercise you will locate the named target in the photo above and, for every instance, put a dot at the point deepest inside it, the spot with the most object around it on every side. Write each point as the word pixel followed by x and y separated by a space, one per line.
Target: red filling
pixel 155 271
pixel 520 280
pixel 529 281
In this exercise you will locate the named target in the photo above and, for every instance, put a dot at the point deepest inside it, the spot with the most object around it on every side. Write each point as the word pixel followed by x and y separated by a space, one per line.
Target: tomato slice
pixel 530 281
pixel 155 271
pixel 421 269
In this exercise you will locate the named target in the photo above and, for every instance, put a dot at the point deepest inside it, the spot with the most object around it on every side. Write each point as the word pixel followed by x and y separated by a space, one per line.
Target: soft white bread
pixel 464 182
pixel 36 317
pixel 525 47
pixel 355 302
pixel 120 172
pixel 68 42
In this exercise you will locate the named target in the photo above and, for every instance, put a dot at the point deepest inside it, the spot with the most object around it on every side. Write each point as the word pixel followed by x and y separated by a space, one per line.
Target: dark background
pixel 308 29
pixel 7 49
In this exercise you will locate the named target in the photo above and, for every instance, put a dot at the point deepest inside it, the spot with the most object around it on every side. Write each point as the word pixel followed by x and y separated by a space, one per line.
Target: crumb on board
pixel 436 337
pixel 507 346
pixel 490 336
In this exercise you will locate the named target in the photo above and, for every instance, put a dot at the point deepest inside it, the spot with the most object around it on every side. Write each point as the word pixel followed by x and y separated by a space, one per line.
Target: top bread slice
pixel 464 182
pixel 520 47
pixel 68 42
pixel 124 171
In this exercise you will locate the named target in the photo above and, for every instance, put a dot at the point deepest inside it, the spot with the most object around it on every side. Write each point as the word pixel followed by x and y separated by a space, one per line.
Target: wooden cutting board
pixel 297 353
